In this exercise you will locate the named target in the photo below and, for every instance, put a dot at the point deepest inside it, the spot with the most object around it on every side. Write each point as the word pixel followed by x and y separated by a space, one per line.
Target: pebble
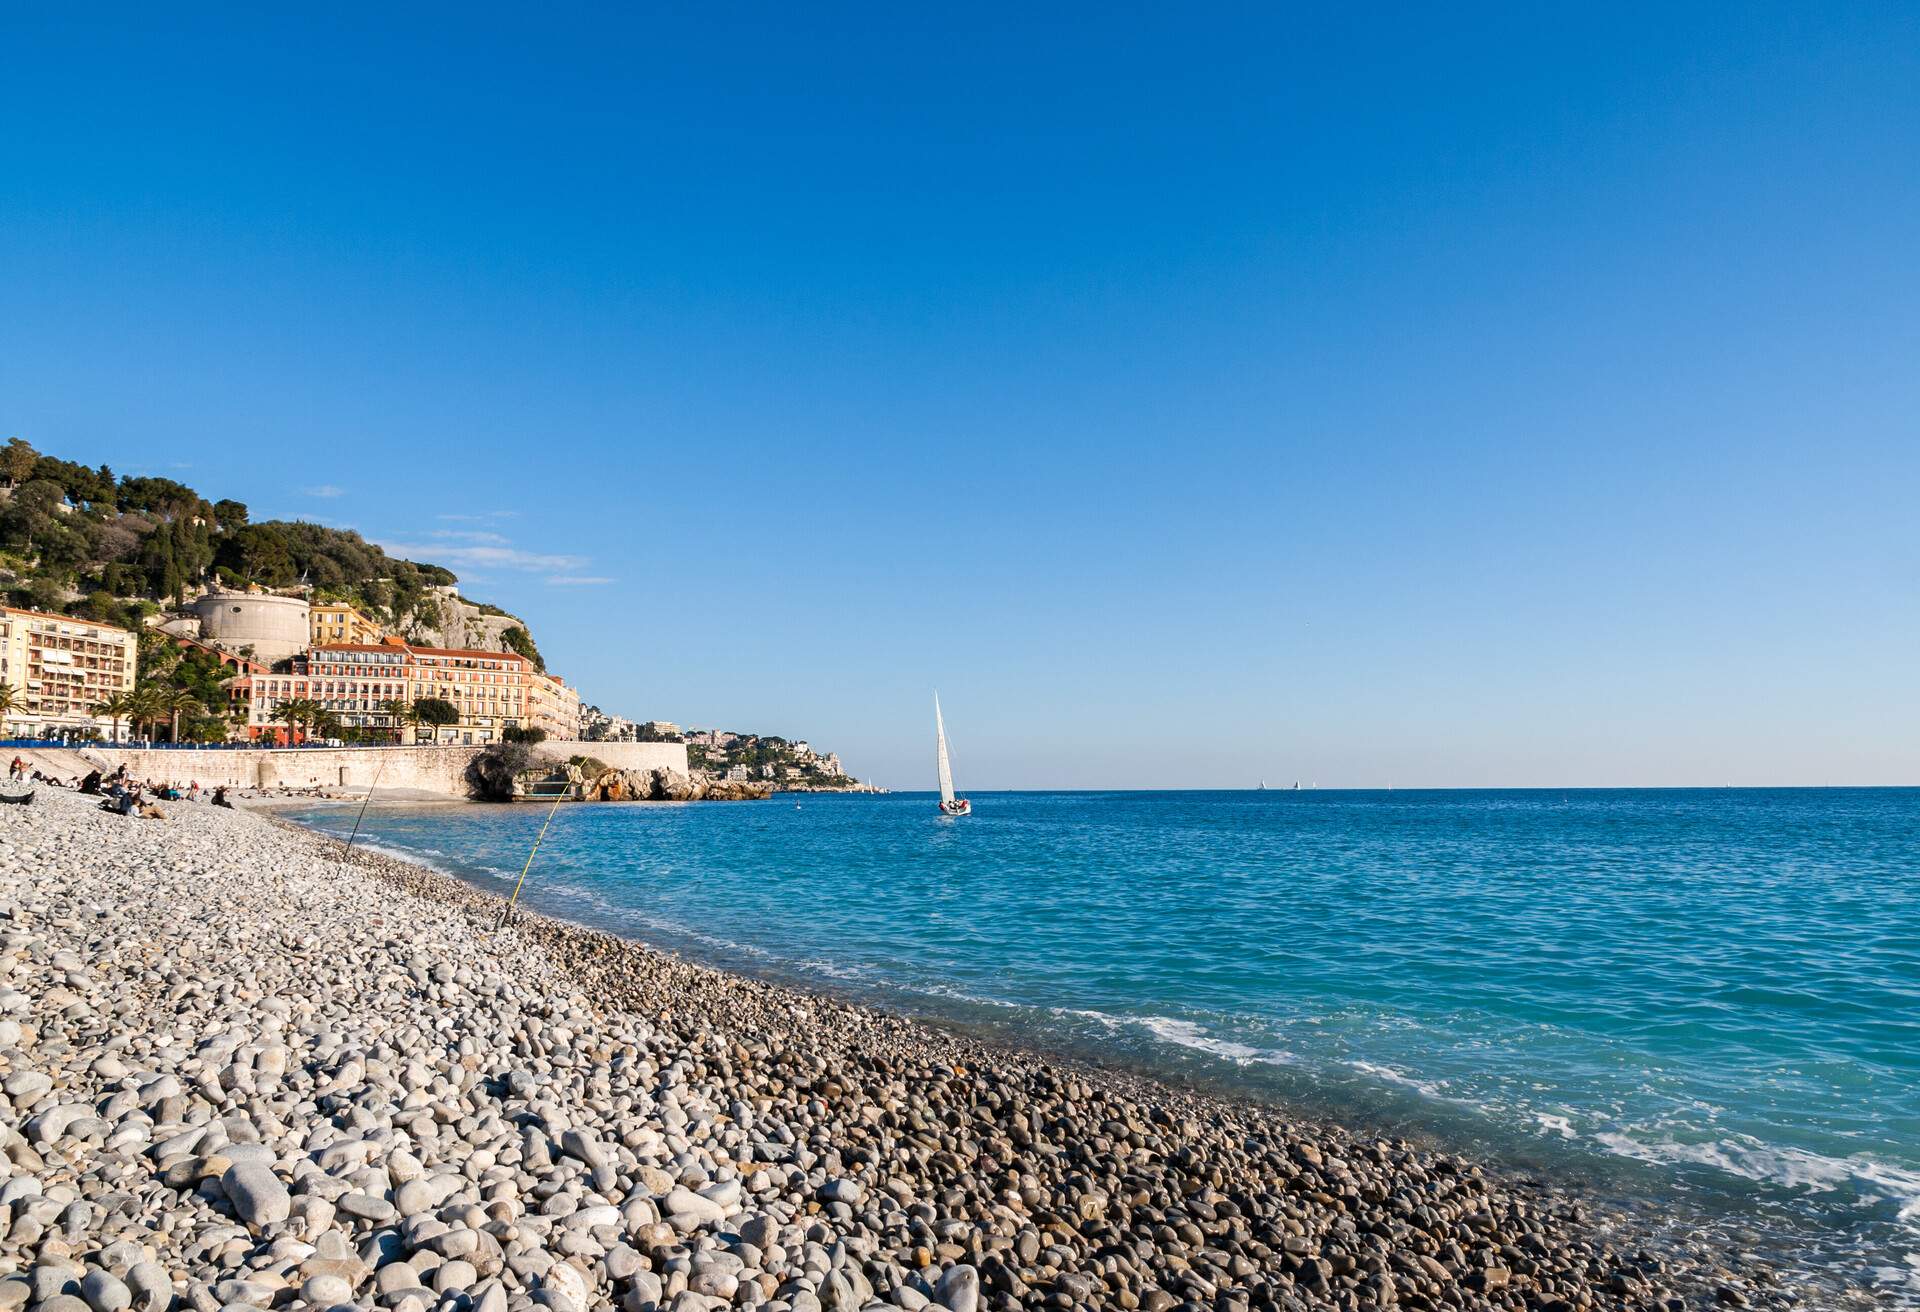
pixel 257 1195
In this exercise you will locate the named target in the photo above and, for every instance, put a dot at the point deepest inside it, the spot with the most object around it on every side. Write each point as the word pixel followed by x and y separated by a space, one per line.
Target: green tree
pixel 7 698
pixel 401 712
pixel 174 703
pixel 229 516
pixel 436 712
pixel 519 640
pixel 295 713
pixel 148 707
pixel 17 460
pixel 30 513
pixel 116 708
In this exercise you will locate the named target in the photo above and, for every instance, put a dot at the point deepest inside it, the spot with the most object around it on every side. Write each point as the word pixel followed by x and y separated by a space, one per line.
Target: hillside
pixel 79 540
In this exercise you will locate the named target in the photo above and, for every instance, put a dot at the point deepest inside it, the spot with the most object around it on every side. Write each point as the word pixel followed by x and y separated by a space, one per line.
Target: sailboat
pixel 949 804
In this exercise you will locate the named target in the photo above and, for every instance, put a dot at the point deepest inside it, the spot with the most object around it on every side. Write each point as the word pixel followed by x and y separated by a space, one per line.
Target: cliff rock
pixel 664 785
pixel 445 619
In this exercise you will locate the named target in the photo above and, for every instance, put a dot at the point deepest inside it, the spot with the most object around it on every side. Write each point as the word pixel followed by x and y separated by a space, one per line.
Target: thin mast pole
pixel 378 771
pixel 507 910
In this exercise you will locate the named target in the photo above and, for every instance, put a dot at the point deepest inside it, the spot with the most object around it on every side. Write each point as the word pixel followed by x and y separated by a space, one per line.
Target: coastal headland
pixel 243 1069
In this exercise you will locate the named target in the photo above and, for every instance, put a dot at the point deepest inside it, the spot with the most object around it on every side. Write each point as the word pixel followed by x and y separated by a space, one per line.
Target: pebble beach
pixel 240 1068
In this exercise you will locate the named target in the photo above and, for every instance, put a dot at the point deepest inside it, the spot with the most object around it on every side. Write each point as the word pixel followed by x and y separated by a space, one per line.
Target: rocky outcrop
pixel 446 619
pixel 661 785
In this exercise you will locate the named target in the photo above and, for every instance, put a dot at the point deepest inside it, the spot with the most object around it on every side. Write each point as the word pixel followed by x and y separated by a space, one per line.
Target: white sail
pixel 946 769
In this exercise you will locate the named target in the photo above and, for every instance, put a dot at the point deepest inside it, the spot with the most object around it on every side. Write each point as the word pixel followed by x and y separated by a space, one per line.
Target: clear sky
pixel 1446 395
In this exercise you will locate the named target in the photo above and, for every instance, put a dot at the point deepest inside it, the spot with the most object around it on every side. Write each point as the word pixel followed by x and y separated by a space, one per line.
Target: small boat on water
pixel 949 804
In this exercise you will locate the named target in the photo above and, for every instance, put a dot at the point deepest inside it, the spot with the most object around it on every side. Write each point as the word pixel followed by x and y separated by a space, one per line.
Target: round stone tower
pixel 275 627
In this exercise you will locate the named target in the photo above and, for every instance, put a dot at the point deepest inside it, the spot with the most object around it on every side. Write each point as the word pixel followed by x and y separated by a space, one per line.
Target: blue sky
pixel 1479 397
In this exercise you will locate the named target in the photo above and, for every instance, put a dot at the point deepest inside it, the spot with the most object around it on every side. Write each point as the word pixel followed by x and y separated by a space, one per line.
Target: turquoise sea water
pixel 1708 996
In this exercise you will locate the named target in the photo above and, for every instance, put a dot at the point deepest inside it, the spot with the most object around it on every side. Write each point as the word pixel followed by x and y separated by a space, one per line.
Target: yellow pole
pixel 507 910
pixel 363 806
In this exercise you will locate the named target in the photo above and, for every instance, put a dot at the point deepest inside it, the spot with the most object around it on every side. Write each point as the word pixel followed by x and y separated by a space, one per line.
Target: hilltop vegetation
pixel 80 540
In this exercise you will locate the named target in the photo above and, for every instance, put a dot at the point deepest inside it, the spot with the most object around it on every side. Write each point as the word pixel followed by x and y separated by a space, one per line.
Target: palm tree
pixel 402 714
pixel 295 712
pixel 175 702
pixel 6 698
pixel 147 707
pixel 116 708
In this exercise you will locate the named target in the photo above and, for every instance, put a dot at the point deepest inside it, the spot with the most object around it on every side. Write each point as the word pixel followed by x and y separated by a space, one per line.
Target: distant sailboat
pixel 1296 785
pixel 949 804
pixel 1262 788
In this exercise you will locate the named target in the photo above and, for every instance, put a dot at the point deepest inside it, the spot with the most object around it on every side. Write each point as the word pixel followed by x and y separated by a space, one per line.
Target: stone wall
pixel 426 768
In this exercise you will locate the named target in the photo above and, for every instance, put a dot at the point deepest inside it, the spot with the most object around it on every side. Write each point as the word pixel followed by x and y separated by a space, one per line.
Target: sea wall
pixel 425 768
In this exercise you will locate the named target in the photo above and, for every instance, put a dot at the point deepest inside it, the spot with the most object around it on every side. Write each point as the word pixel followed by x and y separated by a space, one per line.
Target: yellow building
pixel 335 622
pixel 552 705
pixel 59 668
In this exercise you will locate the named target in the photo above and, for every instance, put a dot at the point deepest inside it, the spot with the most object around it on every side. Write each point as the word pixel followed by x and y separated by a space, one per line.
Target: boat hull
pixel 956 808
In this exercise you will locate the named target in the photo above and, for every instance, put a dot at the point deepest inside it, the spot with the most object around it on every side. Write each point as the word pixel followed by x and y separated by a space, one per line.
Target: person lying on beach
pixel 91 784
pixel 220 798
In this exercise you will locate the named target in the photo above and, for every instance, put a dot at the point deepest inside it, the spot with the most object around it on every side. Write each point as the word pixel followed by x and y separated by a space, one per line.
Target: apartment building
pixel 490 690
pixel 552 705
pixel 59 668
pixel 333 623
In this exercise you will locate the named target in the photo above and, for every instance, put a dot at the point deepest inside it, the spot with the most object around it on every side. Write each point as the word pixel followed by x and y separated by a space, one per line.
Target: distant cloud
pixel 502 557
pixel 181 464
pixel 578 580
pixel 327 490
pixel 482 518
pixel 470 535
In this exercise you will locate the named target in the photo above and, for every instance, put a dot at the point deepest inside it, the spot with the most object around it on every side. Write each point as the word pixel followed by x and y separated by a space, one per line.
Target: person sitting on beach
pixel 220 797
pixel 193 790
pixel 121 800
pixel 17 769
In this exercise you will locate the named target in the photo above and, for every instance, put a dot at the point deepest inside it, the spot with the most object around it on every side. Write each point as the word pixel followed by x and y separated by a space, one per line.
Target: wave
pixel 1389 1075
pixel 1791 1168
pixel 1182 1034
pixel 1188 1034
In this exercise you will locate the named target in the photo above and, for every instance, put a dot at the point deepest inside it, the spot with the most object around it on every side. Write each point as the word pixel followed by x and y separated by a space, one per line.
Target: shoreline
pixel 949 1166
pixel 1622 1189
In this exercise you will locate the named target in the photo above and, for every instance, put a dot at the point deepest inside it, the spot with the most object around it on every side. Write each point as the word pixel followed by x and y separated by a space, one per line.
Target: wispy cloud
pixel 486 556
pixel 578 580
pixel 470 535
pixel 483 517
pixel 326 490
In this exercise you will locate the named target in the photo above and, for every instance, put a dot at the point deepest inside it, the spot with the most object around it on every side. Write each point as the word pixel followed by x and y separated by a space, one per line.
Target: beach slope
pixel 239 1070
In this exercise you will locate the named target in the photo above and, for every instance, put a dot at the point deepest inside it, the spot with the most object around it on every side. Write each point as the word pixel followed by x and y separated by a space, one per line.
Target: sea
pixel 1707 1000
